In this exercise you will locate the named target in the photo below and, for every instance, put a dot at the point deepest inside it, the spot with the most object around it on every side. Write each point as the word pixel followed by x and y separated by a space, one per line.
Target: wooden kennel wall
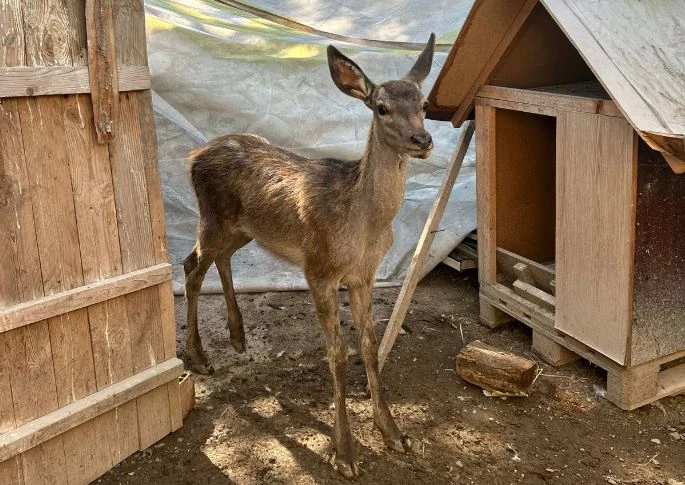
pixel 580 203
pixel 88 370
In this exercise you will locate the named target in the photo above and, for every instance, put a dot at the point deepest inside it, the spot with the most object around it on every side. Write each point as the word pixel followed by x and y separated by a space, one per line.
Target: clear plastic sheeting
pixel 262 69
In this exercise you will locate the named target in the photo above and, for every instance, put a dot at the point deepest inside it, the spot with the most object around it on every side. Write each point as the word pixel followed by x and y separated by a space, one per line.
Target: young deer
pixel 331 217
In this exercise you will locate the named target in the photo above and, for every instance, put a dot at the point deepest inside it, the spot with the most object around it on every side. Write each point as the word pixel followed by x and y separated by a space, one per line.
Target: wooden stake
pixel 421 253
pixel 102 67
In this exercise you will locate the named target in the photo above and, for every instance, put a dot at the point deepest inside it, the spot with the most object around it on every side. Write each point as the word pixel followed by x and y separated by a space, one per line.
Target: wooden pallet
pixel 627 387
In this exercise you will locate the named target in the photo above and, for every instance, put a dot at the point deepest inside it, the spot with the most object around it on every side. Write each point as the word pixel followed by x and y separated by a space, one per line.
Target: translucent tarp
pixel 224 67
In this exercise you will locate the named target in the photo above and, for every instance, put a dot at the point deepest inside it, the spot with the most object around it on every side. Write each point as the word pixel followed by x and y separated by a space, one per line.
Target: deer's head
pixel 399 107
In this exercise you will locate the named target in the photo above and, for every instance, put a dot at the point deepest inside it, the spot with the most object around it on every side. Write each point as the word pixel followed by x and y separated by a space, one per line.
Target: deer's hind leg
pixel 223 265
pixel 197 263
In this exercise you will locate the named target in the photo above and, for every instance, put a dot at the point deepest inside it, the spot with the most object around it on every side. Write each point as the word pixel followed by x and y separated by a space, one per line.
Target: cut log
pixel 494 369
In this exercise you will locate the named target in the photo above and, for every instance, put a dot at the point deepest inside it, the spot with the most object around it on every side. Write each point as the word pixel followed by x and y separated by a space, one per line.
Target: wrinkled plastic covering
pixel 218 69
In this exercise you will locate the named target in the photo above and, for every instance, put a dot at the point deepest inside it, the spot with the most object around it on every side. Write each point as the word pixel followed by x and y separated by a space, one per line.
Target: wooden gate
pixel 88 370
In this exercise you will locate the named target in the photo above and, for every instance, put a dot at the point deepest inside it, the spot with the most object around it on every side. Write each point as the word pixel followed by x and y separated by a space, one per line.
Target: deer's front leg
pixel 326 301
pixel 360 303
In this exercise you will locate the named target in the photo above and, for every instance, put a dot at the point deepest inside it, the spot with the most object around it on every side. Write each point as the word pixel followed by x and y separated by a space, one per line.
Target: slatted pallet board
pixel 88 369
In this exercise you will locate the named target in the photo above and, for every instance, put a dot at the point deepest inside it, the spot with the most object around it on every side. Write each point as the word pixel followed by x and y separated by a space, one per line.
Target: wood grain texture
pixel 525 184
pixel 54 33
pixel 659 276
pixel 556 100
pixel 58 244
pixel 541 274
pixel 550 351
pixel 83 296
pixel 102 67
pixel 156 206
pixel 12 52
pixel 129 26
pixel 423 246
pixel 29 362
pixel 489 25
pixel 44 81
pixel 127 158
pixel 540 55
pixel 45 428
pixel 93 194
pixel 494 369
pixel 485 193
pixel 596 177
pixel 617 61
pixel 534 295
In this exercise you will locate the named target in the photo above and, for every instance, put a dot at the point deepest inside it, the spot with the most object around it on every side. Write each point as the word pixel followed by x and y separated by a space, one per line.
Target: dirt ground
pixel 264 417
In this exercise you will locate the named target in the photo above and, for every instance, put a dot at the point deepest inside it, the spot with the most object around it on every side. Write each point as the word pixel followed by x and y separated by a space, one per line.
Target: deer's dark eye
pixel 425 106
pixel 382 110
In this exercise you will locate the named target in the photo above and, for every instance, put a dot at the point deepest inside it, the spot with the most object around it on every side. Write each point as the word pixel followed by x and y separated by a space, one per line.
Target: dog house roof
pixel 634 49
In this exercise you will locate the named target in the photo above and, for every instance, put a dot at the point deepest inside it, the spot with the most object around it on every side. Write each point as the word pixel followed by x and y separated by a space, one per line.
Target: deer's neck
pixel 382 178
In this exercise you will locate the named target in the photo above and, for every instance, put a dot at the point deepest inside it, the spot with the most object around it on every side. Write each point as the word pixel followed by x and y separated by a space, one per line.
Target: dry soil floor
pixel 264 417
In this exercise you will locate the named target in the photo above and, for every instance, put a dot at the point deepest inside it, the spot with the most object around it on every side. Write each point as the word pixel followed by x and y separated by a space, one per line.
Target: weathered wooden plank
pixel 137 250
pixel 53 424
pixel 485 188
pixel 154 421
pixel 29 360
pixel 11 472
pixel 156 205
pixel 76 298
pixel 595 199
pixel 57 237
pixel 46 463
pixel 91 181
pixel 12 52
pixel 47 80
pixel 129 26
pixel 535 295
pixel 467 62
pixel 54 33
pixel 159 243
pixel 557 102
pixel 102 67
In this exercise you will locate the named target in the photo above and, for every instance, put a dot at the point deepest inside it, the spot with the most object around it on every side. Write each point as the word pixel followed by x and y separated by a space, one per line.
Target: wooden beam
pixel 82 296
pixel 423 247
pixel 557 101
pixel 534 295
pixel 466 105
pixel 44 81
pixel 507 263
pixel 53 424
pixel 102 67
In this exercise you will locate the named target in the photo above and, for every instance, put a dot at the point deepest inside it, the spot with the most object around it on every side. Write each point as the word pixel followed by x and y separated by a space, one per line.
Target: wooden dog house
pixel 88 367
pixel 580 123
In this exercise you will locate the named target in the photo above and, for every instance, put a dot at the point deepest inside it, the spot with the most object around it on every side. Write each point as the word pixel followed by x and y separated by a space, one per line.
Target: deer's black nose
pixel 423 141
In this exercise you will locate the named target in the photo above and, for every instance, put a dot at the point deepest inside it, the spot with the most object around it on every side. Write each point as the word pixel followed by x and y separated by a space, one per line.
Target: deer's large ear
pixel 348 76
pixel 423 64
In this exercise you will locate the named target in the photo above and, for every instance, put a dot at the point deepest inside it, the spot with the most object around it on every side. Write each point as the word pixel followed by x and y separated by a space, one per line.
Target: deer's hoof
pixel 348 470
pixel 204 368
pixel 239 346
pixel 401 445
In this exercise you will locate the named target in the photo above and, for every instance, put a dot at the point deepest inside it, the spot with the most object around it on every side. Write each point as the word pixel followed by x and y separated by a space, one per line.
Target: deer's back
pixel 285 201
